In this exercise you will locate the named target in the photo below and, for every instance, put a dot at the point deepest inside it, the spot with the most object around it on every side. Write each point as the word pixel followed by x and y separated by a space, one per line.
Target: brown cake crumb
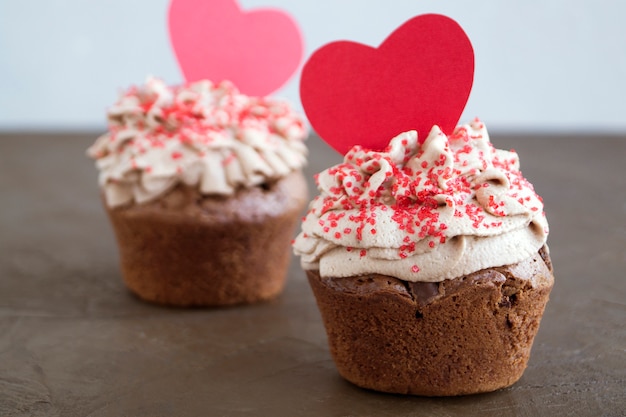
pixel 186 249
pixel 461 336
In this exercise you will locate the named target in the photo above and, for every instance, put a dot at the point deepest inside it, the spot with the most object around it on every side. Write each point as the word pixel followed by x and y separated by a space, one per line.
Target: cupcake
pixel 204 187
pixel 429 264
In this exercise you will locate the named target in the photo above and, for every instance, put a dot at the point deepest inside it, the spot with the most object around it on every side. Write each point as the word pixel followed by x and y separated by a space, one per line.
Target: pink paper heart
pixel 258 50
pixel 420 76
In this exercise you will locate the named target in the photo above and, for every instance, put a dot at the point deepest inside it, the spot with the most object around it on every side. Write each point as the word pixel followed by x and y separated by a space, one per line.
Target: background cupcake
pixel 203 186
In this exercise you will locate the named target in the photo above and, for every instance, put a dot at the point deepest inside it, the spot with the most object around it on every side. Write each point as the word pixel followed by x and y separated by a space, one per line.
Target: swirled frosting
pixel 424 212
pixel 200 134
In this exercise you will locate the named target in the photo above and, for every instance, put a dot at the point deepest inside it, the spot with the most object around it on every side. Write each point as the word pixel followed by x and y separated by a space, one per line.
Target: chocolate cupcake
pixel 203 186
pixel 429 264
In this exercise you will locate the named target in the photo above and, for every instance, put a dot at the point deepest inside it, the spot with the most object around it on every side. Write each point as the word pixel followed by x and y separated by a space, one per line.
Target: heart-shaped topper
pixel 420 76
pixel 257 50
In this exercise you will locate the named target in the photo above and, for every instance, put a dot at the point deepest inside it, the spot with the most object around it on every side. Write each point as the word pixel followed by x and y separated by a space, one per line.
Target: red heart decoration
pixel 257 50
pixel 420 76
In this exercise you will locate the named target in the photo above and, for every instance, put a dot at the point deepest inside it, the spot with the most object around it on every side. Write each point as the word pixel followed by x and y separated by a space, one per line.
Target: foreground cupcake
pixel 203 187
pixel 429 264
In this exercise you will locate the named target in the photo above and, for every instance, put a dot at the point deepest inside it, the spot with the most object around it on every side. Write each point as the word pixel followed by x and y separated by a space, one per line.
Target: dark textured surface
pixel 74 342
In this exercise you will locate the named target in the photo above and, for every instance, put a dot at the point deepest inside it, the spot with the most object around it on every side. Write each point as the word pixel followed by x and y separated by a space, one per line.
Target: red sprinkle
pixel 421 200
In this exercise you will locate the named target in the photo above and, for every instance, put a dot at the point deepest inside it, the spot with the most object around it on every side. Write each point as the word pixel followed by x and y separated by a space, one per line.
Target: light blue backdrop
pixel 556 65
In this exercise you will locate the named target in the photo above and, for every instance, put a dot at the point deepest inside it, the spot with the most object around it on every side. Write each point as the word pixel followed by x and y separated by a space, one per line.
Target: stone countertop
pixel 75 342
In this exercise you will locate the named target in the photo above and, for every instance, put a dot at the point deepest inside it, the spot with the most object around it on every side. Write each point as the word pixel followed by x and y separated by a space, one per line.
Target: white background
pixel 541 65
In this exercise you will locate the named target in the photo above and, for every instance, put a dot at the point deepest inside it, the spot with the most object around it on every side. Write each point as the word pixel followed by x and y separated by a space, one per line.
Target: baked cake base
pixel 467 335
pixel 186 249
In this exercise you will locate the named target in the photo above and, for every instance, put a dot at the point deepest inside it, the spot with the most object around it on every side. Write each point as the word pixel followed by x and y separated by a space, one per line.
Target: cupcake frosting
pixel 200 134
pixel 423 210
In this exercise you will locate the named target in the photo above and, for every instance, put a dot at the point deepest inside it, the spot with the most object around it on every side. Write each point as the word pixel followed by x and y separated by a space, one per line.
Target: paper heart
pixel 257 50
pixel 420 76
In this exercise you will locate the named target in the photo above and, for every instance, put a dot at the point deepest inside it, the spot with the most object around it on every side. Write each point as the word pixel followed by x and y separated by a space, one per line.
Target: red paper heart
pixel 420 76
pixel 257 50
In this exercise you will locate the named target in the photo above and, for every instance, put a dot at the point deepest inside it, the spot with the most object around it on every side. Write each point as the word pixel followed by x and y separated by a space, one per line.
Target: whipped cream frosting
pixel 423 212
pixel 200 134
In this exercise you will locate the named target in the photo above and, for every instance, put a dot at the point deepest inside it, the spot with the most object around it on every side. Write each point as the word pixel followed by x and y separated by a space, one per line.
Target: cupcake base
pixel 186 249
pixel 467 335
